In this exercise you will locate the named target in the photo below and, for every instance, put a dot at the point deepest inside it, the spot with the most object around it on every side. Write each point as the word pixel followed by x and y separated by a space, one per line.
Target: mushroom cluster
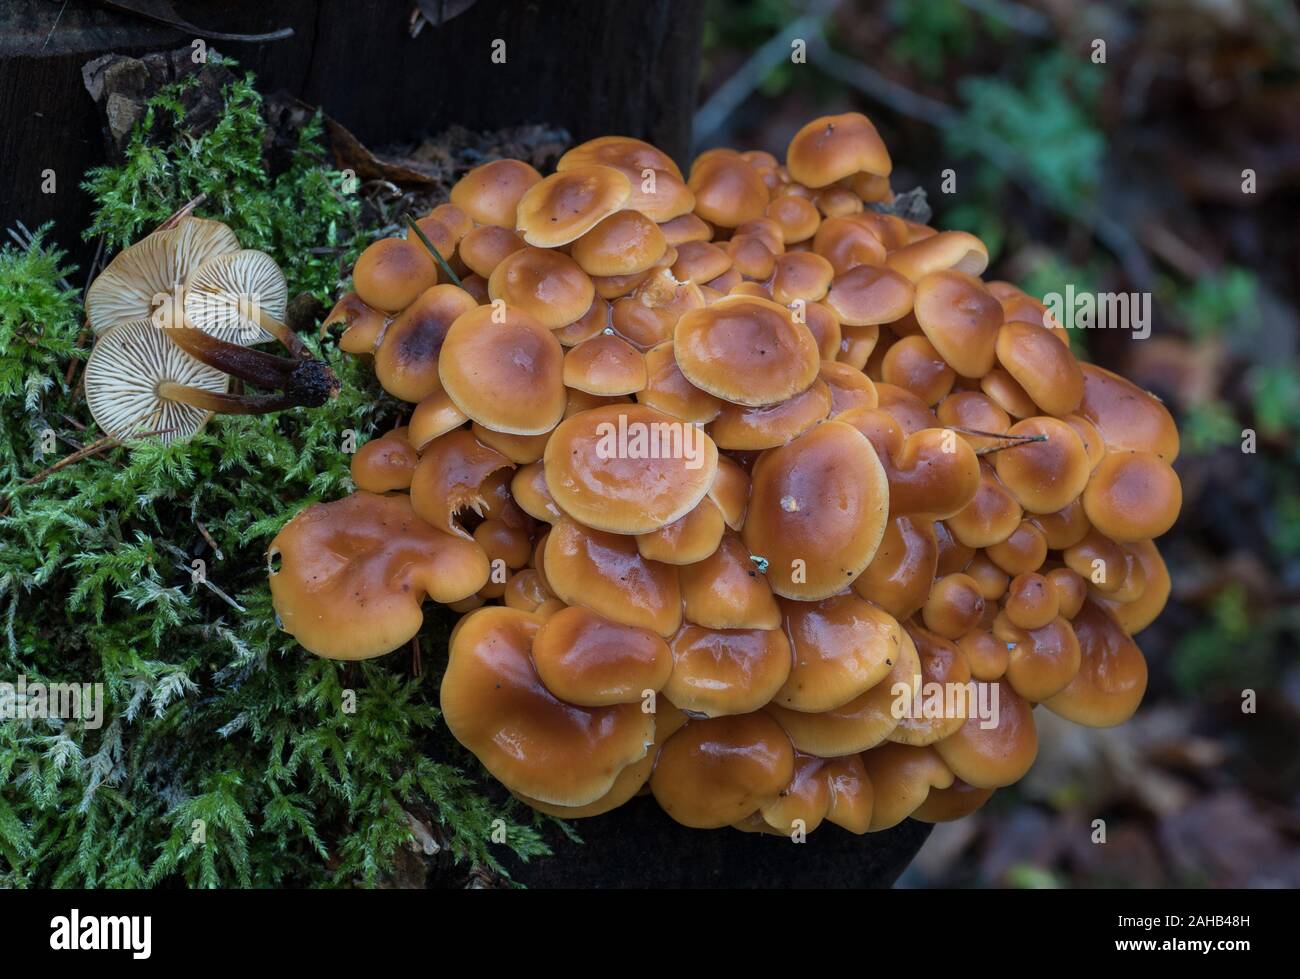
pixel 752 494
pixel 174 318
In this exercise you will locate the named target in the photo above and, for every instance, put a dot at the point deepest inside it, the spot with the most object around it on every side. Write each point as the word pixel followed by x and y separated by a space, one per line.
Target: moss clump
pixel 227 755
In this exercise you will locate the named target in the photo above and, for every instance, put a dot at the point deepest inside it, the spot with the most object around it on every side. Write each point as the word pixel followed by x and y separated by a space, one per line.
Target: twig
pixel 184 211
pixel 434 251
pixel 216 551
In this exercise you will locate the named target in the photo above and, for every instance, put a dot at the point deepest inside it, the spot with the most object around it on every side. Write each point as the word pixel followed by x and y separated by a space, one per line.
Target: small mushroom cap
pixel 1032 601
pixel 857 343
pixel 847 243
pixel 1136 615
pixel 547 285
pixel 668 390
pixel 686 540
pixel 566 205
pixel 363 326
pixel 803 804
pixel 685 228
pixel 869 296
pixel 817 511
pixel 715 772
pixel 961 318
pixel 800 276
pixel 1041 365
pixel 1005 391
pixel 1112 676
pixel 392 272
pixel 606 365
pixel 495 704
pixel 224 295
pixel 525 591
pixel 1044 476
pixel 898 578
pixel 750 256
pixel 991 517
pixel 1043 660
pixel 436 415
pixel 985 653
pixel 863 722
pixel 842 648
pixel 1022 552
pixel 730 491
pixel 490 194
pixel 1133 496
pixel 627 468
pixel 746 350
pixel 154 266
pixel 901 779
pixel 990 756
pixel 954 607
pixel 726 671
pixel 505 370
pixel 700 261
pixel 354 573
pixel 607 574
pixel 1064 528
pixel 126 365
pixel 585 659
pixel 974 411
pixel 743 428
pixel 726 591
pixel 797 218
pixel 487 246
pixel 831 148
pixel 914 365
pixel 384 464
pixel 849 388
pixel 728 191
pixel 957 801
pixel 956 250
pixel 450 478
pixel 406 360
pixel 519 449
pixel 622 244
pixel 943 664
pixel 528 486
pixel 1126 416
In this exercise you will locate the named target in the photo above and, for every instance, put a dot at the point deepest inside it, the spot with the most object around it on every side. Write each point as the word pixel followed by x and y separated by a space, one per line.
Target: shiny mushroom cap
pixel 832 148
pixel 585 659
pixel 726 590
pixel 726 671
pixel 406 359
pixel 1133 496
pixel 566 205
pixel 392 272
pixel 842 648
pixel 547 285
pixel 728 191
pixel 961 318
pixel 490 194
pixel 1112 676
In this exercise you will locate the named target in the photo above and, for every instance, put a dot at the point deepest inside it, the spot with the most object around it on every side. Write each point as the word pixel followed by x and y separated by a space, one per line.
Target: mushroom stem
pixel 291 341
pixel 442 262
pixel 306 382
pixel 226 404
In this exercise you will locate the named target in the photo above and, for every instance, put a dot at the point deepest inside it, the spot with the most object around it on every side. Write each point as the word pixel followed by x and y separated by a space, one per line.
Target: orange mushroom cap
pixel 726 671
pixel 566 205
pixel 490 194
pixel 961 318
pixel 842 648
pixel 902 777
pixel 585 659
pixel 624 243
pixel 1133 496
pixel 406 360
pixel 867 296
pixel 1112 675
pixel 989 754
pixel 547 285
pixel 383 464
pixel 392 272
pixel 1127 417
pixel 831 148
pixel 728 191
pixel 687 539
pixel 1042 366
pixel 450 478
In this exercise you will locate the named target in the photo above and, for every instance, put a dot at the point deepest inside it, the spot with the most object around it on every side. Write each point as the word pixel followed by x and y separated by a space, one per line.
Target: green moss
pixel 227 755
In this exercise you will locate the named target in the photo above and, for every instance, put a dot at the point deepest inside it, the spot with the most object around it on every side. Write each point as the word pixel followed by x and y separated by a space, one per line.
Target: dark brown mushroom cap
pixel 406 360
pixel 1112 676
pixel 842 648
pixel 1133 496
pixel 384 464
pixel 392 272
pixel 745 350
pixel 818 508
pixel 353 574
pixel 715 772
pixel 586 659
pixel 987 753
pixel 728 191
pixel 628 469
pixel 1127 417
pixel 726 671
pixel 495 704
pixel 491 193
pixel 831 148
pixel 607 574
pixel 961 318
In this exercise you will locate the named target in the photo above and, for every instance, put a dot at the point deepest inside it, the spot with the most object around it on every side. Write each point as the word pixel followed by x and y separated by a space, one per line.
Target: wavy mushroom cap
pixel 956 250
pixel 585 659
pixel 726 591
pixel 831 148
pixel 450 478
pixel 931 472
pixel 392 272
pixel 743 428
pixel 1044 476
pixel 902 778
pixel 818 508
pixel 496 705
pixel 1042 661
pixel 504 370
pixel 898 578
pixel 1136 615
pixel 363 326
pixel 1127 417
pixel 660 197
pixel 686 540
pixel 715 772
pixel 547 285
pixel 668 390
pixel 728 191
pixel 384 464
pixel 490 194
pixel 622 244
pixel 406 360
pixel 842 648
pixel 1133 496
pixel 566 205
pixel 1112 674
pixel 487 246
pixel 800 276
pixel 868 296
pixel 747 351
pixel 957 801
pixel 606 365
pixel 961 318
pixel 1041 365
pixel 726 671
pixel 986 753
pixel 628 468
pixel 354 573
pixel 607 574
